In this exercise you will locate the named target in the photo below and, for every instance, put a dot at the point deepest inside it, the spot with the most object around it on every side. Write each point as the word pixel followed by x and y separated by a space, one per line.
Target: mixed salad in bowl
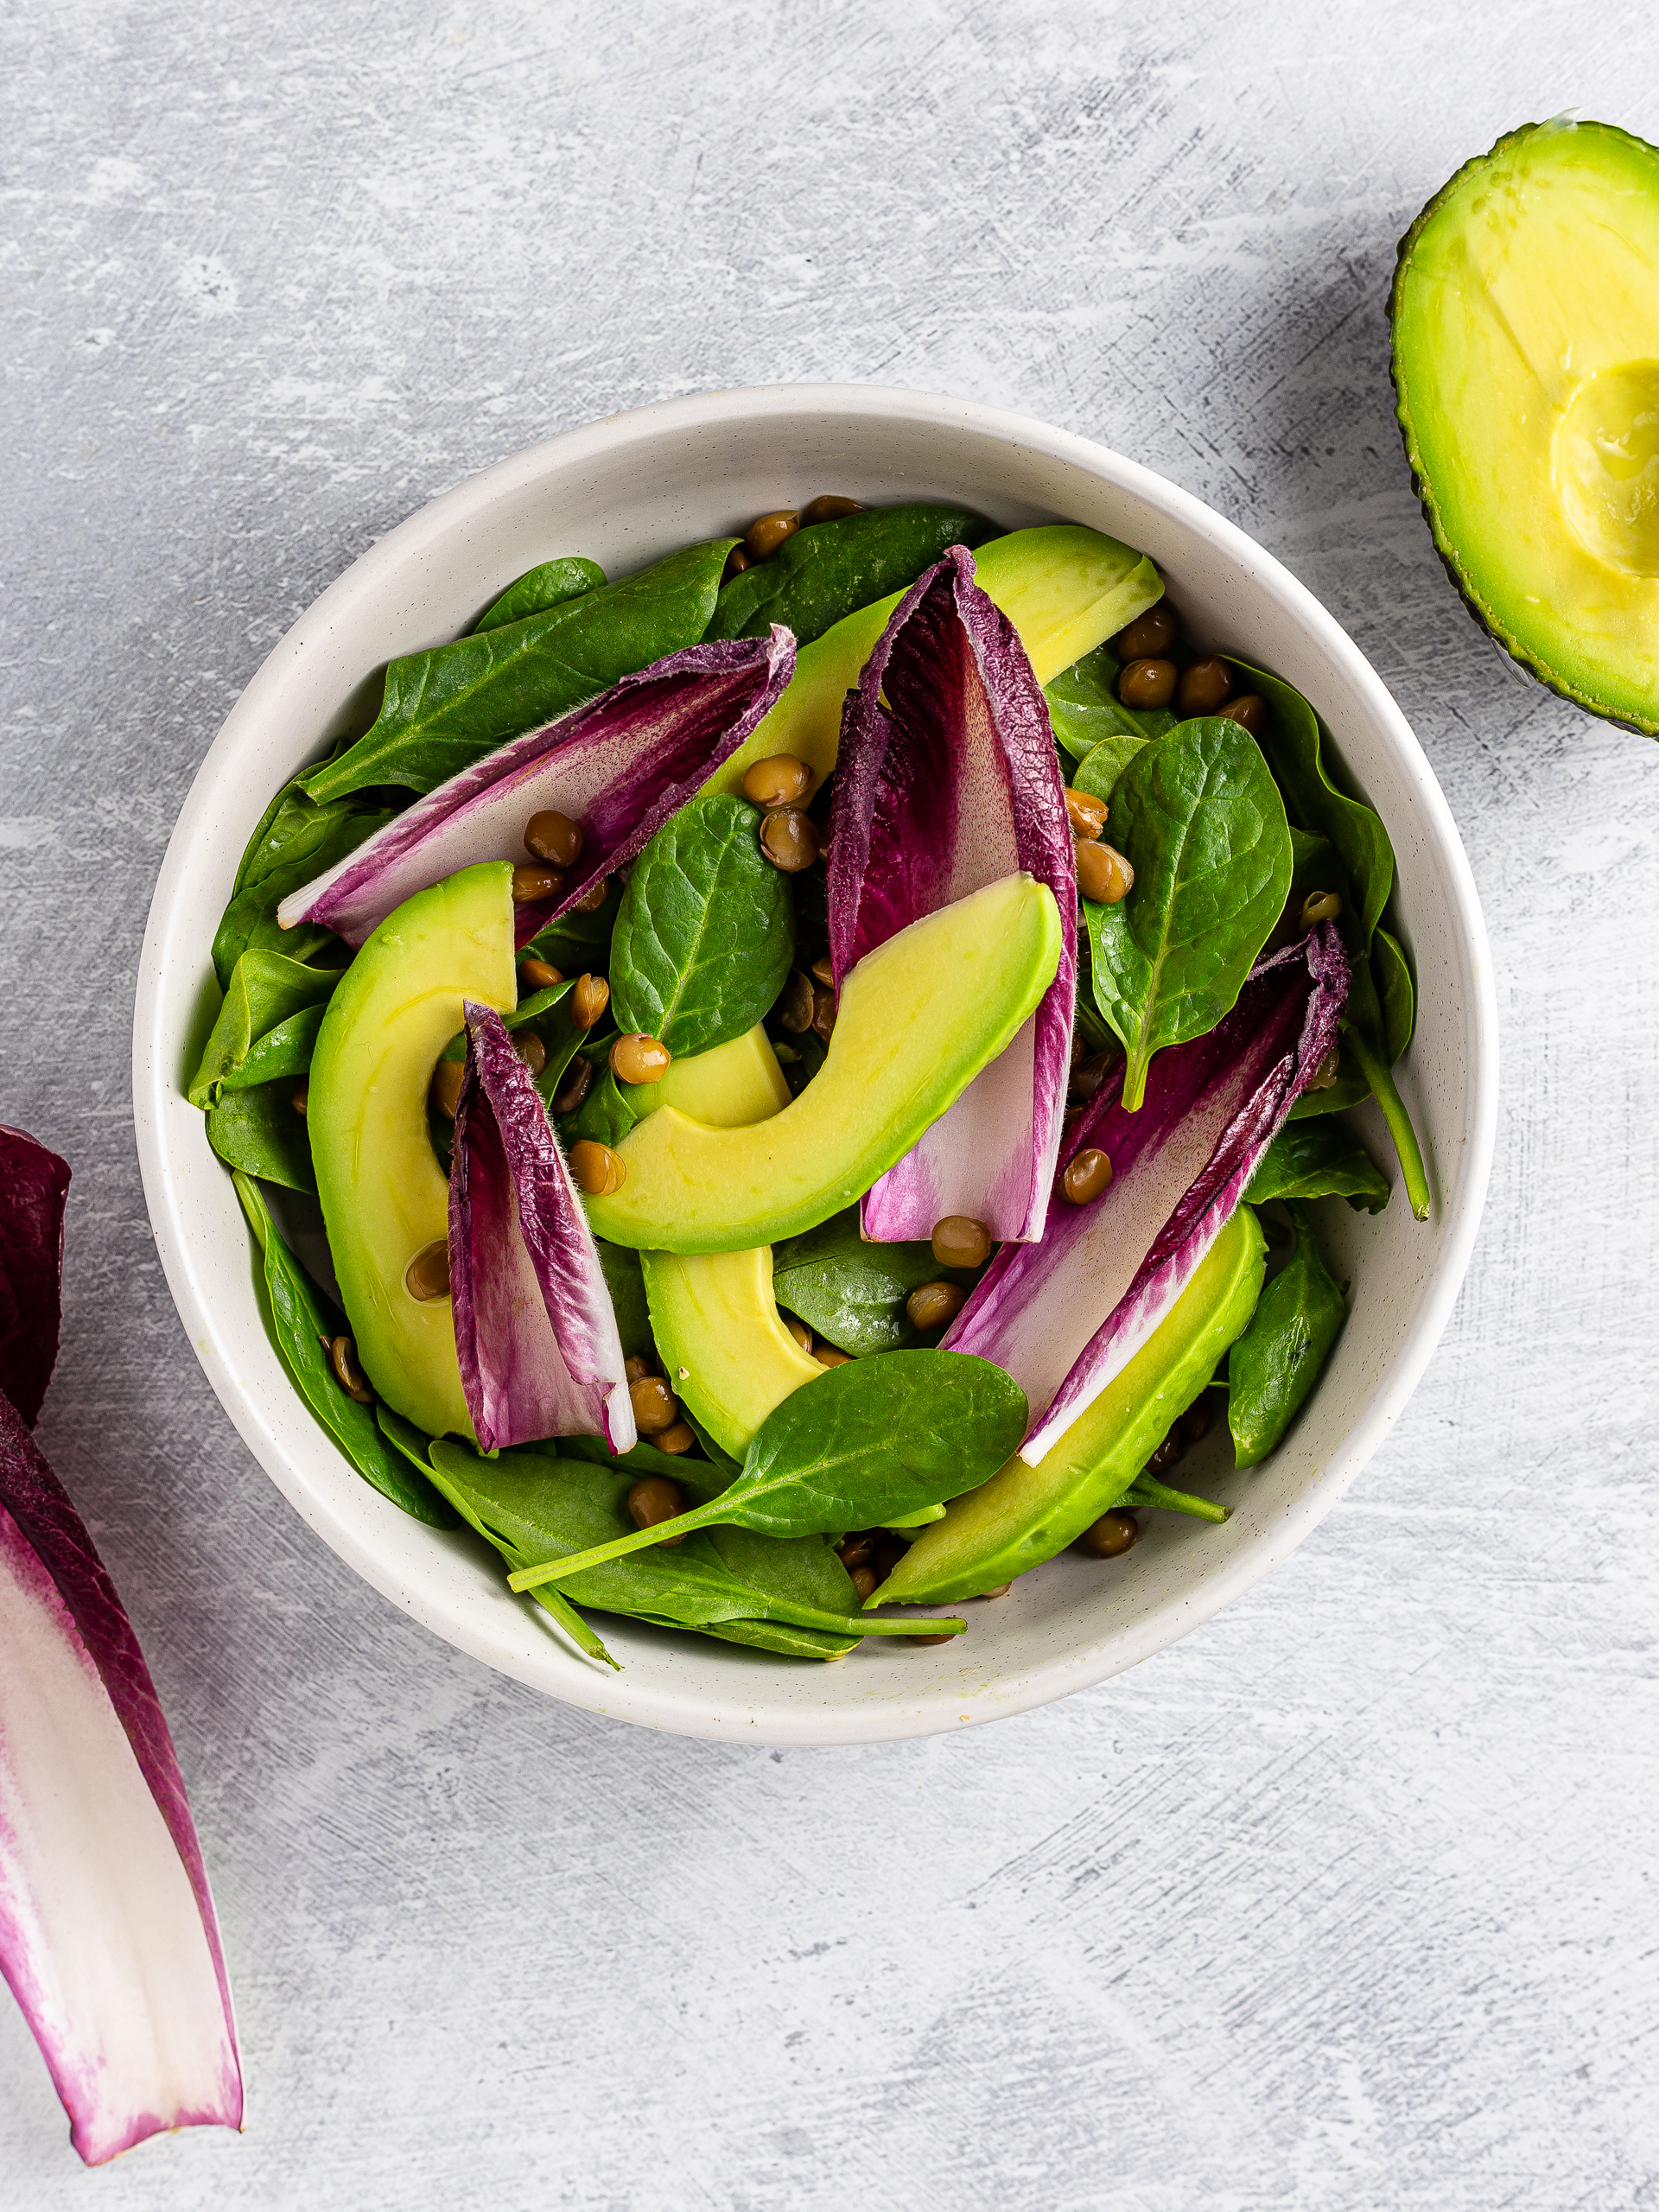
pixel 788 1085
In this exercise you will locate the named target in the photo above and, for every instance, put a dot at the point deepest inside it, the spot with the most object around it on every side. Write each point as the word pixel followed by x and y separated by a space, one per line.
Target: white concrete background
pixel 1346 1901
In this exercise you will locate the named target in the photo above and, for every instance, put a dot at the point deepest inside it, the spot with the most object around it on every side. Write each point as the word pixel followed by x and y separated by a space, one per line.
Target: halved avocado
pixel 1025 1515
pixel 1065 588
pixel 1525 327
pixel 917 1020
pixel 384 1195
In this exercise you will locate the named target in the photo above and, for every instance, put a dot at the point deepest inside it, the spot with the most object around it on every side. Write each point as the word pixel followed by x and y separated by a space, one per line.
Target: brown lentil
pixel 446 1086
pixel 300 1100
pixel 1104 874
pixel 828 506
pixel 574 1086
pixel 915 1643
pixel 934 1304
pixel 799 1331
pixel 779 781
pixel 654 1499
pixel 596 1168
pixel 427 1276
pixel 831 1355
pixel 532 884
pixel 768 533
pixel 823 971
pixel 530 1049
pixel 594 896
pixel 553 837
pixel 863 1578
pixel 1147 684
pixel 853 1550
pixel 679 1436
pixel 959 1241
pixel 1112 1535
pixel 635 1370
pixel 1000 1591
pixel 1205 686
pixel 589 1000
pixel 789 838
pixel 1087 1075
pixel 1168 1453
pixel 342 1355
pixel 1086 813
pixel 1148 635
pixel 736 561
pixel 655 1405
pixel 540 974
pixel 636 1058
pixel 796 1004
pixel 1250 713
pixel 1320 906
pixel 824 1011
pixel 1087 1174
pixel 1194 1423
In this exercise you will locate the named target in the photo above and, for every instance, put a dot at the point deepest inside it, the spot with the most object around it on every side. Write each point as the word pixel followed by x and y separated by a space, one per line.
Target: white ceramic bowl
pixel 626 491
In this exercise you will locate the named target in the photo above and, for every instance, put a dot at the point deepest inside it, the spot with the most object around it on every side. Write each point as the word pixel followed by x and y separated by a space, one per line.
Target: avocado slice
pixel 1525 329
pixel 384 1195
pixel 918 1018
pixel 1025 1515
pixel 726 1352
pixel 1065 588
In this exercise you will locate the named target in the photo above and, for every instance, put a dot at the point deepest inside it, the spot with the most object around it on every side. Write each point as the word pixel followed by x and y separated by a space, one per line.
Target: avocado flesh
pixel 725 1350
pixel 384 1195
pixel 1525 326
pixel 918 1018
pixel 731 1085
pixel 1025 1515
pixel 1065 588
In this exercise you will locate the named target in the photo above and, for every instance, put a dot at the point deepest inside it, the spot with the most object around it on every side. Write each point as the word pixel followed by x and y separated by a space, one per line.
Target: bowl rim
pixel 1097 1656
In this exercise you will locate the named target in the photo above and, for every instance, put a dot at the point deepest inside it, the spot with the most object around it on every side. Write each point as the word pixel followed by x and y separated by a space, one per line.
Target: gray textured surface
pixel 1344 1901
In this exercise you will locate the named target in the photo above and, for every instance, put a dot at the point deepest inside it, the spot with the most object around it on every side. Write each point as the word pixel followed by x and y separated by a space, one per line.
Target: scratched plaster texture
pixel 1344 1901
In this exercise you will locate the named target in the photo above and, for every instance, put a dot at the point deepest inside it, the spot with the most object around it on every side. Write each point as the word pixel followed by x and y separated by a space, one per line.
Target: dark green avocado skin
pixel 1486 616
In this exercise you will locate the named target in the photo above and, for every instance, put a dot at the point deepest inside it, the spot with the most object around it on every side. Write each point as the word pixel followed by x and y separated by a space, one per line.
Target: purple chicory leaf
pixel 952 785
pixel 621 766
pixel 535 1330
pixel 1065 1316
pixel 33 1183
pixel 107 1932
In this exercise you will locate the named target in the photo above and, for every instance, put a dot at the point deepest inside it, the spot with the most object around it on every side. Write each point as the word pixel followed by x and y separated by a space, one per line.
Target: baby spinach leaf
pixel 829 569
pixel 447 708
pixel 604 1115
pixel 259 1132
pixel 1396 993
pixel 1100 766
pixel 706 935
pixel 1083 707
pixel 539 1509
pixel 1202 823
pixel 301 1327
pixel 1291 743
pixel 268 992
pixel 553 584
pixel 1319 1160
pixel 577 944
pixel 1350 1089
pixel 850 1292
pixel 1147 1490
pixel 296 842
pixel 1274 1365
pixel 862 1445
pixel 625 1282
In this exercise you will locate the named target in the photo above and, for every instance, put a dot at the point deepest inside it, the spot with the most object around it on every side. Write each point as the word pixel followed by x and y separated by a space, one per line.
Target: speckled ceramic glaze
pixel 624 491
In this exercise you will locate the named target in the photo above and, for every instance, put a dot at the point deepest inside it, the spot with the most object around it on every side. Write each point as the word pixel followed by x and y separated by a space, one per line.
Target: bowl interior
pixel 625 492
